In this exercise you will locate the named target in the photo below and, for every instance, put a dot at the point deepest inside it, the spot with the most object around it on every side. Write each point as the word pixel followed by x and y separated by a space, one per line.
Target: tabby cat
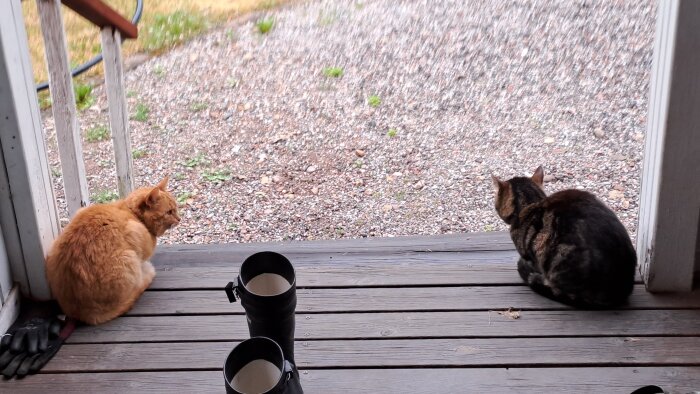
pixel 98 267
pixel 572 247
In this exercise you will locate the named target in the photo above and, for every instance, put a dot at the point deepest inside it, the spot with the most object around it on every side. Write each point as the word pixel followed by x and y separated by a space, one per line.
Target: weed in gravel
pixel 374 101
pixel 104 196
pixel 195 161
pixel 141 114
pixel 83 96
pixel 97 133
pixel 138 153
pixel 264 25
pixel 55 172
pixel 159 70
pixel 183 197
pixel 392 133
pixel 216 176
pixel 333 72
pixel 178 176
pixel 198 106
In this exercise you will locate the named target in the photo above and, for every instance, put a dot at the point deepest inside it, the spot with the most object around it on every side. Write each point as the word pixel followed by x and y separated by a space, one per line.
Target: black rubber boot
pixel 257 365
pixel 266 287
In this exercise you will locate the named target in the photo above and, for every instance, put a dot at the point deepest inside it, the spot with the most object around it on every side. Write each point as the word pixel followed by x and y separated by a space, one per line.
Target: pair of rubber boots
pixel 266 287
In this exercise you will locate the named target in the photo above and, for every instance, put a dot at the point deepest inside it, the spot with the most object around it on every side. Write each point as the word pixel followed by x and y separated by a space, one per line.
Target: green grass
pixel 83 95
pixel 159 71
pixel 168 30
pixel 217 176
pixel 374 101
pixel 104 196
pixel 392 133
pixel 198 106
pixel 130 93
pixel 178 176
pixel 264 25
pixel 183 197
pixel 141 113
pixel 195 161
pixel 97 133
pixel 138 153
pixel 333 72
pixel 56 172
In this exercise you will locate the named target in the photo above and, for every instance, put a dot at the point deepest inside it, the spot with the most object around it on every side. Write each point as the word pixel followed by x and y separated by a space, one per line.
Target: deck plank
pixel 391 381
pixel 372 353
pixel 471 298
pixel 351 270
pixel 403 325
pixel 469 242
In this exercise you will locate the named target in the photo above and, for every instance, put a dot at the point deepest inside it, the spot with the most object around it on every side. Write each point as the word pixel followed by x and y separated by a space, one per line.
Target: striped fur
pixel 572 247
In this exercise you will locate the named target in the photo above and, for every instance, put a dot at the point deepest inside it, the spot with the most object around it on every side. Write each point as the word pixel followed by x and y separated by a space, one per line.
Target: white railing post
pixel 28 213
pixel 669 208
pixel 118 114
pixel 63 106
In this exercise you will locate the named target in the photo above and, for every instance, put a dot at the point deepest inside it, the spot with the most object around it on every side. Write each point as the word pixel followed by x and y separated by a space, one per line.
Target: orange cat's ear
pixel 497 183
pixel 162 185
pixel 538 176
pixel 152 197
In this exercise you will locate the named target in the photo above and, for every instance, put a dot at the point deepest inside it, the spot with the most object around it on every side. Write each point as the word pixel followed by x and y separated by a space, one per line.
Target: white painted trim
pixel 10 310
pixel 118 114
pixel 28 213
pixel 63 105
pixel 669 204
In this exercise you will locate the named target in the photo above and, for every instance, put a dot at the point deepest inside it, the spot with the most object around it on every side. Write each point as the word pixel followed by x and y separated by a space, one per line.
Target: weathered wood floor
pixel 398 315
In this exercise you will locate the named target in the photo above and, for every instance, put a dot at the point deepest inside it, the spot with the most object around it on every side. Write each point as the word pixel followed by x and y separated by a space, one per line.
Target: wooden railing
pixel 113 28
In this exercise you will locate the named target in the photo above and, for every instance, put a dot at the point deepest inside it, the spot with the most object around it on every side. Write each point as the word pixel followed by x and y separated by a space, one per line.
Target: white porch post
pixel 28 213
pixel 670 197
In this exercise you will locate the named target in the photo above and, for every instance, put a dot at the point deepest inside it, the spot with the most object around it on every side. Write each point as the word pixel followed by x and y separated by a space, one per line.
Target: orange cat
pixel 98 267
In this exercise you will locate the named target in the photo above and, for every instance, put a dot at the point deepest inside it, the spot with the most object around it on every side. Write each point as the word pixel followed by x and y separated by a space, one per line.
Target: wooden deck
pixel 396 315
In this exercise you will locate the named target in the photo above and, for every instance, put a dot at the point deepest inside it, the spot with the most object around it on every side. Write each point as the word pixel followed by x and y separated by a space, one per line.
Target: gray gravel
pixel 469 87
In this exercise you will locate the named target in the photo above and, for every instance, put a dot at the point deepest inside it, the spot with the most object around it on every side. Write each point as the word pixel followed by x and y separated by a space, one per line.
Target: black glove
pixel 29 346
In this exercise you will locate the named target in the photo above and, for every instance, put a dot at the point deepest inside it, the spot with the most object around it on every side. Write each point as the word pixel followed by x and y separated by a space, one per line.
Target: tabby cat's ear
pixel 497 183
pixel 538 176
pixel 162 185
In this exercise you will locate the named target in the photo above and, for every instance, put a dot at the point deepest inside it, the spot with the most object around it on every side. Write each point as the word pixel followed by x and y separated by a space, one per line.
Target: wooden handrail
pixel 102 15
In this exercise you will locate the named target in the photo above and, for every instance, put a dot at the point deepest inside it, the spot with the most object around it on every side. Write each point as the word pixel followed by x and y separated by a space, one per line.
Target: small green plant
pixel 230 34
pixel 44 100
pixel 489 228
pixel 105 163
pixel 217 176
pixel 198 106
pixel 392 133
pixel 104 196
pixel 183 197
pixel 333 72
pixel 83 96
pixel 401 196
pixel 374 101
pixel 264 25
pixel 130 93
pixel 97 133
pixel 232 82
pixel 171 29
pixel 56 172
pixel 138 153
pixel 178 176
pixel 159 70
pixel 141 114
pixel 195 161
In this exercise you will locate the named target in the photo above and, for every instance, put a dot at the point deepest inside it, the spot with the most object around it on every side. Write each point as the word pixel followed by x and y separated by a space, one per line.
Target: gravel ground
pixel 467 88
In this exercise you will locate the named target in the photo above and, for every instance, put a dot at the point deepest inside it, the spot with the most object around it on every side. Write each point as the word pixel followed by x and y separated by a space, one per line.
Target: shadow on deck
pixel 390 315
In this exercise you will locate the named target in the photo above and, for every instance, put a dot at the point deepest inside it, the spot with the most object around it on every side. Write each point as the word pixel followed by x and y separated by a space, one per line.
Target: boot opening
pixel 268 284
pixel 256 377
